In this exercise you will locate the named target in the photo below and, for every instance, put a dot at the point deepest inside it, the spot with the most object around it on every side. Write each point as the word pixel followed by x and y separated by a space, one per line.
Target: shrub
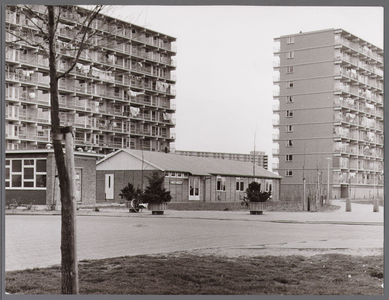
pixel 130 193
pixel 254 194
pixel 154 192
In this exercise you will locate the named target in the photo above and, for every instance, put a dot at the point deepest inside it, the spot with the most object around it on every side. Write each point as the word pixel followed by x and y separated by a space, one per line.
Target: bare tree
pixel 45 22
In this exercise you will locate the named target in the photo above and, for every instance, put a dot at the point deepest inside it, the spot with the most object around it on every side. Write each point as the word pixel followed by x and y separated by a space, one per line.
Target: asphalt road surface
pixel 34 240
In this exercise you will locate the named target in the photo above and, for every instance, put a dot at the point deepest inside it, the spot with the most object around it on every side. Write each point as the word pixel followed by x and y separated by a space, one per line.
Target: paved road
pixel 34 240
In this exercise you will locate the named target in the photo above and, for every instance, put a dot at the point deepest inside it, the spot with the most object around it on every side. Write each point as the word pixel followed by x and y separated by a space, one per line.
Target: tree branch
pixel 96 11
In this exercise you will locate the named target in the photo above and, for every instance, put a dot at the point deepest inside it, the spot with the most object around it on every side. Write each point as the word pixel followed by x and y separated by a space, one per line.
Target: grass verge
pixel 186 274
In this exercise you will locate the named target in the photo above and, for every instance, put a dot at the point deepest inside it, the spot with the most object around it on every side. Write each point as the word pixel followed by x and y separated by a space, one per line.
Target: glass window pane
pixel 28 162
pixel 7 184
pixel 17 165
pixel 41 165
pixel 7 173
pixel 28 184
pixel 40 181
pixel 16 180
pixel 7 162
pixel 28 173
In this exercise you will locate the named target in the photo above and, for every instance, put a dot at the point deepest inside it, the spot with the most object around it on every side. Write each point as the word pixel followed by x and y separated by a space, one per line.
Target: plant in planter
pixel 133 197
pixel 255 199
pixel 155 195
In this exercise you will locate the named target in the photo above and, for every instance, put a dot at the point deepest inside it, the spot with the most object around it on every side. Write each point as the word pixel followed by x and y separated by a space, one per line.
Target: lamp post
pixel 328 180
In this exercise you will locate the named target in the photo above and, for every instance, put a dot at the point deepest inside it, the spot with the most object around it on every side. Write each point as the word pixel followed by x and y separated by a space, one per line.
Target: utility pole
pixel 328 181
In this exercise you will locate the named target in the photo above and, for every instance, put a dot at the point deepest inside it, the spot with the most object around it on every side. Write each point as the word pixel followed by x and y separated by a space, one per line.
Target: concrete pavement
pixel 361 214
pixel 34 241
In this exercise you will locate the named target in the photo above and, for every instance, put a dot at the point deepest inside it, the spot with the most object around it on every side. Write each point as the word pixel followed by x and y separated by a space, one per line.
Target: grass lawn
pixel 186 274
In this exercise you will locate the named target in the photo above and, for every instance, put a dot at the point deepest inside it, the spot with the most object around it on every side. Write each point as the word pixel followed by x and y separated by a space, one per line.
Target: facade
pixel 120 94
pixel 261 159
pixel 31 177
pixel 188 178
pixel 328 115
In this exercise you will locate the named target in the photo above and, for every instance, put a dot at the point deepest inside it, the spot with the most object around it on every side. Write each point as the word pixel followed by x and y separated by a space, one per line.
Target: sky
pixel 224 89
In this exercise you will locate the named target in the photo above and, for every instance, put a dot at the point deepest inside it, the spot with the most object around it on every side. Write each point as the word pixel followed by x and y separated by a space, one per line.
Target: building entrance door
pixel 109 186
pixel 344 192
pixel 194 188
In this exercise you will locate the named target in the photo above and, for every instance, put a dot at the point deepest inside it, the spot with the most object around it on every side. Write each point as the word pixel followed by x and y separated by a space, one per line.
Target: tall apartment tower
pixel 120 94
pixel 328 115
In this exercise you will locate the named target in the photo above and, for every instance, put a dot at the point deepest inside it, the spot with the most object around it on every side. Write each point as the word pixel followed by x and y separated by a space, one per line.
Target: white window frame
pixel 290 40
pixel 222 181
pixel 288 143
pixel 239 186
pixel 288 173
pixel 289 69
pixel 290 54
pixel 288 157
pixel 289 99
pixel 289 128
pixel 289 113
pixel 289 84
pixel 8 181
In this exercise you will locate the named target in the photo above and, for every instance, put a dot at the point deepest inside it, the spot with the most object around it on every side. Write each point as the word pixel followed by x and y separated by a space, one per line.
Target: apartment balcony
pixel 275 166
pixel 275 151
pixel 275 122
pixel 275 136
pixel 43 137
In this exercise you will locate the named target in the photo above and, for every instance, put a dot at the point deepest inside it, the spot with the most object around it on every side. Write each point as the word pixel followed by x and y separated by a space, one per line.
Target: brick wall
pixel 88 180
pixel 37 197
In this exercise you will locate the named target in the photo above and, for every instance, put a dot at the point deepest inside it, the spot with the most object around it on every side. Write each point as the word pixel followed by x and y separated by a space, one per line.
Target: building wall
pixel 179 187
pixel 26 196
pixel 121 179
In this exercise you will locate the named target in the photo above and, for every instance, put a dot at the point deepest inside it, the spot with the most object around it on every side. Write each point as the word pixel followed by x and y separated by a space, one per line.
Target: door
pixel 109 186
pixel 194 188
pixel 78 185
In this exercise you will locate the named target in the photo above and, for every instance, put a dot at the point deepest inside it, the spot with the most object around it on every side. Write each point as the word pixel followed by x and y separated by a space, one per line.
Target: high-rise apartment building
pixel 328 115
pixel 120 94
pixel 260 158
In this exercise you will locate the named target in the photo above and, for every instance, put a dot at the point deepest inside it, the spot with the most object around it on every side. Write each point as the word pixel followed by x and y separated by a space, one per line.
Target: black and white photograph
pixel 192 149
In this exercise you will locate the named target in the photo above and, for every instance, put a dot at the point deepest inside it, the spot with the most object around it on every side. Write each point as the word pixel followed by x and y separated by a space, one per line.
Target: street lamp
pixel 328 180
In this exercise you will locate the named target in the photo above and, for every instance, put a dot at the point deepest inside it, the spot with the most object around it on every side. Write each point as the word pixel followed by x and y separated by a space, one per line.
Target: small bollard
pixel 376 207
pixel 348 204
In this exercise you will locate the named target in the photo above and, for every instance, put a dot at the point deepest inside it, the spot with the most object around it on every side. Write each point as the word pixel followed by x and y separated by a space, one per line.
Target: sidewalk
pixel 361 214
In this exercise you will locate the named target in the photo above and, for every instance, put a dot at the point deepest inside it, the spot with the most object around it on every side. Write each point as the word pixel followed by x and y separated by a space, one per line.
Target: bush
pixel 254 194
pixel 130 193
pixel 154 192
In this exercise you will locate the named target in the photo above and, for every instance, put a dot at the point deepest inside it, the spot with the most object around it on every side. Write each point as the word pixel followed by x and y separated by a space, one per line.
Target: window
pixel 289 84
pixel 290 54
pixel 289 157
pixel 289 128
pixel 239 184
pixel 289 113
pixel 289 69
pixel 289 99
pixel 289 143
pixel 25 173
pixel 290 40
pixel 288 173
pixel 220 183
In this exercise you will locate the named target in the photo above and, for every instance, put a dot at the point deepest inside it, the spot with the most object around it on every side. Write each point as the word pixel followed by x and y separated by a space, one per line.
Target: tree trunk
pixel 67 226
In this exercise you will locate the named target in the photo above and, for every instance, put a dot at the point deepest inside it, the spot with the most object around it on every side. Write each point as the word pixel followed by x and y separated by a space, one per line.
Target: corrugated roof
pixel 197 165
